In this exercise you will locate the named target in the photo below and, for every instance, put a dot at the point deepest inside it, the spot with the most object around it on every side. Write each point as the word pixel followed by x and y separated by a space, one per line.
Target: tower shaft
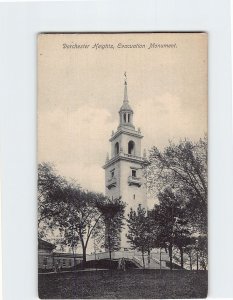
pixel 124 171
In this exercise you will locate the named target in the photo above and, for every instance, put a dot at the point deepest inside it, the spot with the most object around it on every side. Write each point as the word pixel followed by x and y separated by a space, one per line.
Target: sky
pixel 80 91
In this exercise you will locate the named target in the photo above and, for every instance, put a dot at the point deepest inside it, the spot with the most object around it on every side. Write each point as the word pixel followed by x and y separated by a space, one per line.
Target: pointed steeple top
pixel 125 90
pixel 125 105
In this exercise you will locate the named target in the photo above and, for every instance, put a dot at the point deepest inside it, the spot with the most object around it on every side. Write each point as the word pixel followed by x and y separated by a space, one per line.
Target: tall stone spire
pixel 125 106
pixel 126 112
pixel 125 90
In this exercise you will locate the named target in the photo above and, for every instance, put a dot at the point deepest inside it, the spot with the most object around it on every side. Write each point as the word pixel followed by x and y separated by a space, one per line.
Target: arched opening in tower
pixel 131 148
pixel 116 148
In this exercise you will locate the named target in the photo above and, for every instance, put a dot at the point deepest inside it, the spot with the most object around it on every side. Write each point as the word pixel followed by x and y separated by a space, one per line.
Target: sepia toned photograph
pixel 122 165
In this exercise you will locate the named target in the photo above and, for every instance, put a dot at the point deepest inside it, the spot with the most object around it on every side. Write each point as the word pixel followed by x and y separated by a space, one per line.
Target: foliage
pixel 182 167
pixel 81 218
pixel 51 198
pixel 63 206
pixel 177 176
pixel 202 251
pixel 141 231
pixel 112 215
pixel 172 224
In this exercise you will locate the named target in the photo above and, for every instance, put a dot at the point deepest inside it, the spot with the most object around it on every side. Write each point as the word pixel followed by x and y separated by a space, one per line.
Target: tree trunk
pixel 84 247
pixel 84 257
pixel 143 259
pixel 181 257
pixel 73 255
pixel 190 261
pixel 109 250
pixel 197 262
pixel 75 282
pixel 170 255
pixel 160 260
pixel 203 264
pixel 149 256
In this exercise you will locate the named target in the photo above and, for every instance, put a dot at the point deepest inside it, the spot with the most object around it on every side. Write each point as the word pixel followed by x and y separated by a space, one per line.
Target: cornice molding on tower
pixel 126 157
pixel 131 133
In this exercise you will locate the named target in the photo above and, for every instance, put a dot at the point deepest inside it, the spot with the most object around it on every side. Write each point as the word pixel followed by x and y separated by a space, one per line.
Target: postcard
pixel 122 165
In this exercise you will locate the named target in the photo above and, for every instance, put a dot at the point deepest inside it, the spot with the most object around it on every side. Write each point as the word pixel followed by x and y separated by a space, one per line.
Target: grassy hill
pixel 134 283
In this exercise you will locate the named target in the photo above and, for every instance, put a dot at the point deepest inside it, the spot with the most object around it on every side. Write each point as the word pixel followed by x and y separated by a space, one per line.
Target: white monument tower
pixel 124 174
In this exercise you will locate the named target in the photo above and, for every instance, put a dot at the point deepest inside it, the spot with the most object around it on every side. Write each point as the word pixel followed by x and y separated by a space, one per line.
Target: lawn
pixel 134 283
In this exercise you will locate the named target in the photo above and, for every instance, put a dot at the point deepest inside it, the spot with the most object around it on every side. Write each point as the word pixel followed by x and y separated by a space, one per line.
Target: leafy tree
pixel 189 250
pixel 182 237
pixel 173 228
pixel 81 217
pixel 51 198
pixel 140 233
pixel 66 208
pixel 112 212
pixel 70 237
pixel 182 167
pixel 201 249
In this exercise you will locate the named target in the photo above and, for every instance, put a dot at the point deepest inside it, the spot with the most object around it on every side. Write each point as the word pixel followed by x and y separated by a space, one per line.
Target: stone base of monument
pixel 155 260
